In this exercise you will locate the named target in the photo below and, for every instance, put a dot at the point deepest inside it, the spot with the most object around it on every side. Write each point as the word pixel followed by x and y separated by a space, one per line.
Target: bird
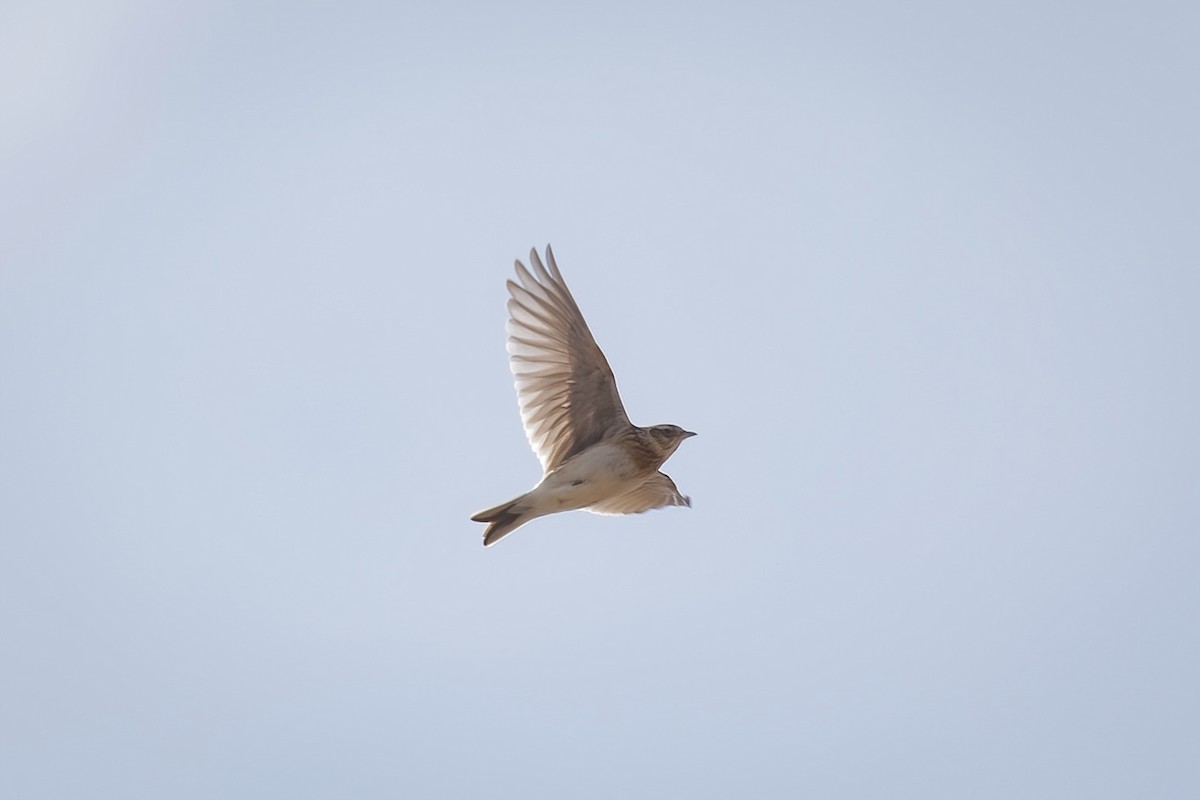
pixel 592 456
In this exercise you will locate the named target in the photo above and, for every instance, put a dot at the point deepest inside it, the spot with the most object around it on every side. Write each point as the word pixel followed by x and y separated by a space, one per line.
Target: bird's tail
pixel 504 519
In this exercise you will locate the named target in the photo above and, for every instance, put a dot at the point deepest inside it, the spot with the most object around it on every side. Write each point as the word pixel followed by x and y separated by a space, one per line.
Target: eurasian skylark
pixel 592 456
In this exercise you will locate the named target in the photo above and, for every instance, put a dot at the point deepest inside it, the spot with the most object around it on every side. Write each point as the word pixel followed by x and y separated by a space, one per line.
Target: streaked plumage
pixel 592 456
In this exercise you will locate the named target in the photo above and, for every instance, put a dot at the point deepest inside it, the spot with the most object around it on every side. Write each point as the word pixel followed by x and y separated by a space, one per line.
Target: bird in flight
pixel 593 457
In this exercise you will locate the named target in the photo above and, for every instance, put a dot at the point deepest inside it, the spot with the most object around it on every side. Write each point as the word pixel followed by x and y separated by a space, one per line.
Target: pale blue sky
pixel 925 277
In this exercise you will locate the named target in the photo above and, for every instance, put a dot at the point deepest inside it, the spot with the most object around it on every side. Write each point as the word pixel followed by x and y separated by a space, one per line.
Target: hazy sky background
pixel 925 277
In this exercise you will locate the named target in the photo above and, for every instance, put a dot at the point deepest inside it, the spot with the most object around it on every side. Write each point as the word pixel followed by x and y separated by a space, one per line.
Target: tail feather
pixel 503 520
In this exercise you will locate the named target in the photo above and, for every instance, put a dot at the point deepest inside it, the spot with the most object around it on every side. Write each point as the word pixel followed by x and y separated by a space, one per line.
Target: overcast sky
pixel 925 277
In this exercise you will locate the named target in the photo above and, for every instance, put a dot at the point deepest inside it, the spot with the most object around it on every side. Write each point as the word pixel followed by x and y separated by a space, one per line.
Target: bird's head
pixel 668 437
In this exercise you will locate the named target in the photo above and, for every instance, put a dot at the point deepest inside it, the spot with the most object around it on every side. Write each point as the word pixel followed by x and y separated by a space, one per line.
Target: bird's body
pixel 593 457
pixel 603 470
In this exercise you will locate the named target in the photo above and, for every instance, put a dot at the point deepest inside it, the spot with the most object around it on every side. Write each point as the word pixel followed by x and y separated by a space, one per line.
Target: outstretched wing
pixel 658 491
pixel 566 390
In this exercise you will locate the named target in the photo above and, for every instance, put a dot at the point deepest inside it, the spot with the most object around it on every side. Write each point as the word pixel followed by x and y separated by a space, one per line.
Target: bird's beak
pixel 688 434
